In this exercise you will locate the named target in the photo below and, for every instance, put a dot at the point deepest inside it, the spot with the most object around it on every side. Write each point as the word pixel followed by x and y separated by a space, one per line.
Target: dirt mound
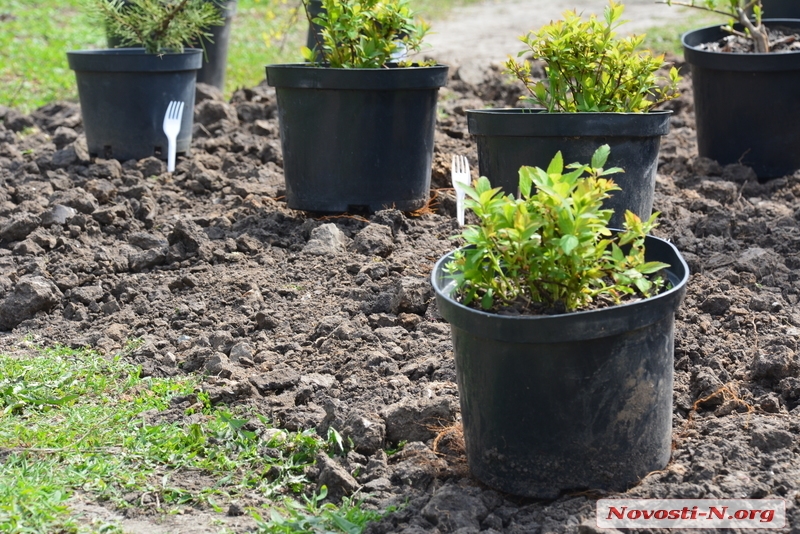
pixel 321 321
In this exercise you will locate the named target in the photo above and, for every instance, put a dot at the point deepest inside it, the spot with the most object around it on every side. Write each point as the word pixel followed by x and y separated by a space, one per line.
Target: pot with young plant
pixel 597 89
pixel 745 76
pixel 562 331
pixel 125 92
pixel 356 125
pixel 214 45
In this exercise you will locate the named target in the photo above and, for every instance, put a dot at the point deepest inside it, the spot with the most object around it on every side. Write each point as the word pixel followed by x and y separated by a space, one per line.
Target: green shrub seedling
pixel 160 26
pixel 366 34
pixel 589 69
pixel 550 250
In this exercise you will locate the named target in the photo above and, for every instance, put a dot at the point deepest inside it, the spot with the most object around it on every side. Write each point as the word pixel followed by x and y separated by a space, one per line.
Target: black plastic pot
pixel 213 70
pixel 566 402
pixel 124 94
pixel 356 139
pixel 216 48
pixel 510 138
pixel 781 9
pixel 746 105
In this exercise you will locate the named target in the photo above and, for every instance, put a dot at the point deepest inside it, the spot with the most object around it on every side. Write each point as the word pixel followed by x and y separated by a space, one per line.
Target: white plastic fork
pixel 172 127
pixel 459 171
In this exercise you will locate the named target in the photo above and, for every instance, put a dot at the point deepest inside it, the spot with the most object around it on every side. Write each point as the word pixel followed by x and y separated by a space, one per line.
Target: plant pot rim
pixel 737 61
pixel 543 111
pixel 587 324
pixel 389 67
pixel 309 76
pixel 132 51
pixel 537 122
pixel 134 60
pixel 227 7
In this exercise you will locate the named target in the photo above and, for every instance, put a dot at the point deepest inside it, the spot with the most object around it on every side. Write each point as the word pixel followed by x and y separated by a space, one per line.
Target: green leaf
pixel 617 253
pixel 600 156
pixel 55 401
pixel 540 91
pixel 525 182
pixel 556 164
pixel 345 525
pixel 565 223
pixel 307 54
pixel 487 301
pixel 612 170
pixel 652 267
pixel 471 234
pixel 568 243
pixel 482 185
pixel 469 297
pixel 643 284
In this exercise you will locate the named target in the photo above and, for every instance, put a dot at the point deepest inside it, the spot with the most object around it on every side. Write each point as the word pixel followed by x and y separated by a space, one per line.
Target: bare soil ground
pixel 320 321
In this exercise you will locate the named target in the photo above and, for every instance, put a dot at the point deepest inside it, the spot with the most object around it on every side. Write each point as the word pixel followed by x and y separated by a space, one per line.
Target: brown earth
pixel 319 321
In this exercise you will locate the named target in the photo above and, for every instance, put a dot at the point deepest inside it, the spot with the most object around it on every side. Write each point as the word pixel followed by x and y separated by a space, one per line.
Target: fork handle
pixel 171 148
pixel 460 206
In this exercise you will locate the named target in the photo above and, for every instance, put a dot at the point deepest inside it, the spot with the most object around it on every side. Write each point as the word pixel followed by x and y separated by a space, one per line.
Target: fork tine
pixel 180 110
pixel 170 108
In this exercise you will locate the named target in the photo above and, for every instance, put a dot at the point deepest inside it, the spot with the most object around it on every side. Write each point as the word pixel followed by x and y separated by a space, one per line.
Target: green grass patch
pixel 76 422
pixel 36 34
pixel 256 23
pixel 34 38
pixel 667 38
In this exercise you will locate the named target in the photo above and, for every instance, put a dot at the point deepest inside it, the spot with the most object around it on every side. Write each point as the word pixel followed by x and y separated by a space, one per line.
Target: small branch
pixel 736 32
pixel 758 33
pixel 751 4
pixel 162 29
pixel 786 40
pixel 114 13
pixel 704 8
